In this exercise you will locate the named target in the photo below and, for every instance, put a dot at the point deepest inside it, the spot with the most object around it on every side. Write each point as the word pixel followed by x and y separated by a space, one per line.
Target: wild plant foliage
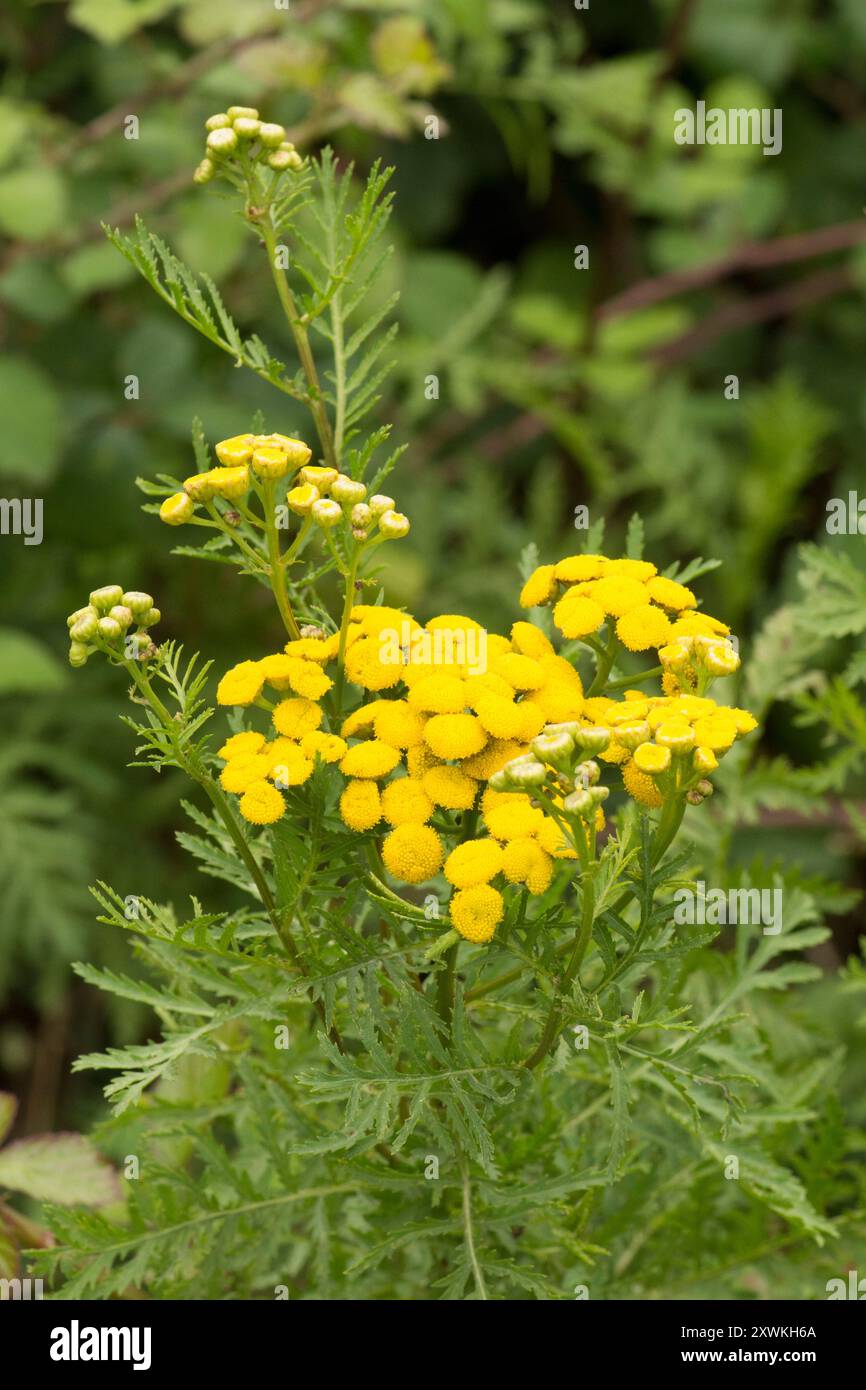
pixel 475 1027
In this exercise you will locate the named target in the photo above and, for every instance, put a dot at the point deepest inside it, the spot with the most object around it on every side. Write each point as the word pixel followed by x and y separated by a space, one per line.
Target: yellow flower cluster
pixel 444 729
pixel 461 720
pixel 258 769
pixel 665 743
pixel 244 457
pixel 647 610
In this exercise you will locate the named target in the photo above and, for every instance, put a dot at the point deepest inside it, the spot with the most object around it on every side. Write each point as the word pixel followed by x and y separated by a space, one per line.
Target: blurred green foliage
pixel 525 387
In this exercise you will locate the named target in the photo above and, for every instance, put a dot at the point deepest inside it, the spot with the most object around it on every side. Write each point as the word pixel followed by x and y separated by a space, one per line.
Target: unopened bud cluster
pixel 692 662
pixel 115 621
pixel 557 761
pixel 329 497
pixel 239 134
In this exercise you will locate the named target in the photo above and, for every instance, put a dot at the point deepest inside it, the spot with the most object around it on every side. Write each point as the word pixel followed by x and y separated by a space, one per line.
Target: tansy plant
pixel 448 1021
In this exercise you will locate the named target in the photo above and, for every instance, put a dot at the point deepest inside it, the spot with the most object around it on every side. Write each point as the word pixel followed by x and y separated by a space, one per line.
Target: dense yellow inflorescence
pixel 472 754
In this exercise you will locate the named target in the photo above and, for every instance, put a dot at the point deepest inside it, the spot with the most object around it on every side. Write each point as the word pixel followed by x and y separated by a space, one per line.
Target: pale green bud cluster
pixel 240 132
pixel 556 762
pixel 112 621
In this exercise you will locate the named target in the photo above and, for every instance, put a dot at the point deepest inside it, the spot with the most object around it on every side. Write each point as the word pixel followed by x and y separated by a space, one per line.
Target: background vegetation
pixel 558 387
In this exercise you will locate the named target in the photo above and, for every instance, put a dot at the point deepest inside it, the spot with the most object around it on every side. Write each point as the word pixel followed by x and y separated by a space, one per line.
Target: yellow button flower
pixel 235 451
pixel 520 671
pixel 670 594
pixel 287 765
pixel 476 912
pixel 454 735
pixel 405 802
pixel 241 685
pixel 262 804
pixel 576 569
pixel 361 805
pixel 515 821
pixel 524 861
pixel 369 759
pixel 640 785
pixel 500 716
pixel 296 717
pixel 643 627
pixel 412 853
pixel 576 616
pixel 529 640
pixel 675 734
pixel 242 771
pixel 474 862
pixel 449 787
pixel 438 694
pixel 248 742
pixel 329 747
pixel 618 594
pixel 397 724
pixel 539 587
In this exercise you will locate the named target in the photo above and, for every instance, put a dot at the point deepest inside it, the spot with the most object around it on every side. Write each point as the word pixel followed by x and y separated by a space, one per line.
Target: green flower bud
pixel 553 748
pixel 86 627
pixel 271 134
pixel 345 489
pixel 81 613
pixel 280 160
pixel 579 803
pixel 237 112
pixel 569 726
pixel 632 734
pixel 217 122
pixel 361 515
pixel 110 630
pixel 204 171
pixel 78 653
pixel 247 127
pixel 594 739
pixel 150 618
pixel 295 160
pixel 121 615
pixel 221 143
pixel 106 597
pixel 393 525
pixel 326 513
pixel 599 794
pixel 137 643
pixel 379 503
pixel 137 602
pixel 587 774
pixel 528 773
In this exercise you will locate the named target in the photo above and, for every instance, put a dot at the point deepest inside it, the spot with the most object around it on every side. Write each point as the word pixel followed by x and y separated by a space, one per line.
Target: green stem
pixel 302 344
pixel 277 570
pixel 348 605
pixel 468 1232
pixel 605 661
pixel 582 940
pixel 623 682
